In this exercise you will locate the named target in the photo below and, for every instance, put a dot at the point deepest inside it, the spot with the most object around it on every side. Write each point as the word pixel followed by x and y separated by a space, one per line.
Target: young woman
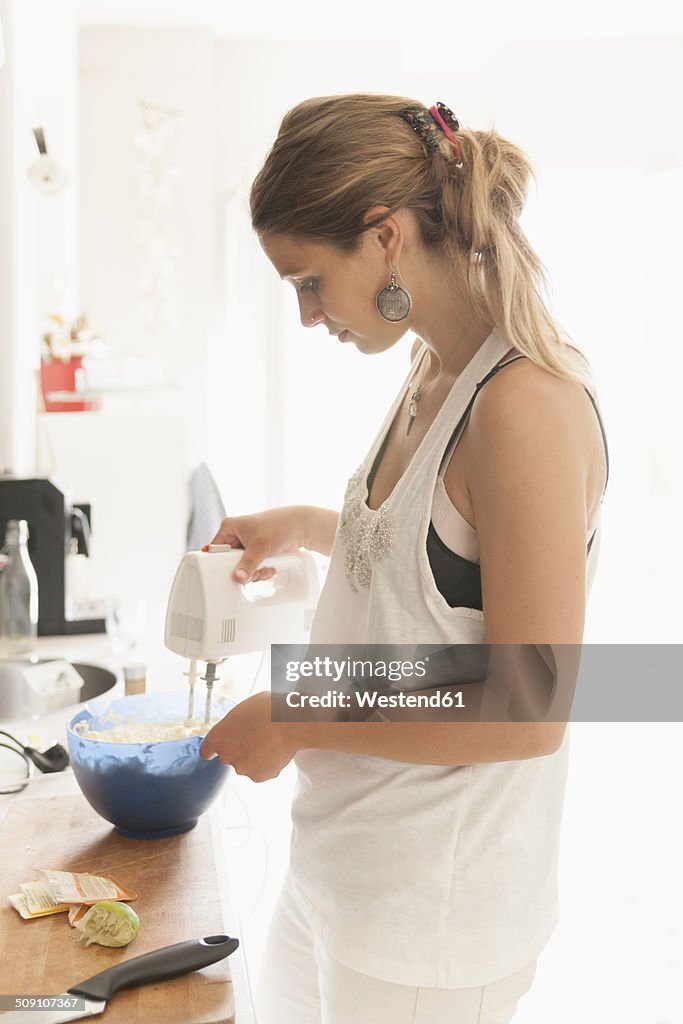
pixel 422 884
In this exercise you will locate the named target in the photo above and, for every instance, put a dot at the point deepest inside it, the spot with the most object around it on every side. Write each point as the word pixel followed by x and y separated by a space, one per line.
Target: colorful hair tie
pixel 428 125
pixel 448 124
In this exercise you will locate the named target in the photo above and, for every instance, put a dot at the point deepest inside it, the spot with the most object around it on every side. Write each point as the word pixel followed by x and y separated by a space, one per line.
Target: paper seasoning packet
pixel 58 891
pixel 35 900
pixel 82 887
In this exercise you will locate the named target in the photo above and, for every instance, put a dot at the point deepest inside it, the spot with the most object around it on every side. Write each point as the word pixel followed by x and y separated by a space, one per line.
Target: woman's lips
pixel 342 336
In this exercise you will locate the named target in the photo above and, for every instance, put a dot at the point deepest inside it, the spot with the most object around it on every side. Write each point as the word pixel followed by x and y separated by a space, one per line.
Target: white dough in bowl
pixel 130 731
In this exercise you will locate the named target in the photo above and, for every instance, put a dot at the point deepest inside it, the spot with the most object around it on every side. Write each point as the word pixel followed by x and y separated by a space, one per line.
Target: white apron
pixel 420 874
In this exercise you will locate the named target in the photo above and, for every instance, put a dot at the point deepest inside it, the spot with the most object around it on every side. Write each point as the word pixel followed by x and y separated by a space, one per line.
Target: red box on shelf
pixel 61 376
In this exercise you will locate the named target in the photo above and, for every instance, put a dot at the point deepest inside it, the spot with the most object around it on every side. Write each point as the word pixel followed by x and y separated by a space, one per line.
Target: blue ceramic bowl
pixel 147 790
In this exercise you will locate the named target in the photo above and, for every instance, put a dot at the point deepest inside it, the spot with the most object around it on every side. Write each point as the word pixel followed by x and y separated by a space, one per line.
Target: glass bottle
pixel 18 593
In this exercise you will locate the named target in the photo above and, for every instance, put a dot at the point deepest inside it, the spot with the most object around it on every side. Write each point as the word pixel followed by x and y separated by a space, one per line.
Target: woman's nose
pixel 310 315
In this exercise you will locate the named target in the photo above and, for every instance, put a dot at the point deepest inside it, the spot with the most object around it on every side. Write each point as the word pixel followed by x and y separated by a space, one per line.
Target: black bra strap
pixel 468 407
pixel 480 385
pixel 604 438
pixel 492 373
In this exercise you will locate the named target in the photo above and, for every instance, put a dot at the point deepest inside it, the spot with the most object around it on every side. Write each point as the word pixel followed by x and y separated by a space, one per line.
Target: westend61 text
pixel 372 699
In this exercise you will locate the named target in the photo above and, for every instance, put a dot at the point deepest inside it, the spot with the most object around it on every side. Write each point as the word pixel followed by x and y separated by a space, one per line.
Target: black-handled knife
pixel 159 965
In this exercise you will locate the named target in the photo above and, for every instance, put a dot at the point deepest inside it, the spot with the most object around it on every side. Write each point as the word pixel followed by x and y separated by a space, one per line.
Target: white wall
pixel 131 464
pixel 173 69
pixel 38 233
pixel 132 460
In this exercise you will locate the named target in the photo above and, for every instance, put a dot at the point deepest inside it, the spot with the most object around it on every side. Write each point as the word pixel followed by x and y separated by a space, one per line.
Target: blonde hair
pixel 337 156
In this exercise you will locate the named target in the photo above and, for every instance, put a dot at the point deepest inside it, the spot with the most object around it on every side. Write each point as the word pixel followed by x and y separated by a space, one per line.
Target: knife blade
pixel 159 965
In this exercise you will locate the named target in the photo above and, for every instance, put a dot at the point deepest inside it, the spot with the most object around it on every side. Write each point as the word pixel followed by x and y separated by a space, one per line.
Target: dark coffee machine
pixel 54 525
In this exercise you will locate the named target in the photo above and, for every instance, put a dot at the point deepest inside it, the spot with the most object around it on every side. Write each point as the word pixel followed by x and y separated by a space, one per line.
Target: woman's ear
pixel 387 234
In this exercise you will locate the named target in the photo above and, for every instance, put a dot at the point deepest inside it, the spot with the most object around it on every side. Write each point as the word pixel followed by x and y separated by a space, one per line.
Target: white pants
pixel 301 983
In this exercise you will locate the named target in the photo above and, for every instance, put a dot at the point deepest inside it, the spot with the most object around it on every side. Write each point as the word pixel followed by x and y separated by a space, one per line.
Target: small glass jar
pixel 135 679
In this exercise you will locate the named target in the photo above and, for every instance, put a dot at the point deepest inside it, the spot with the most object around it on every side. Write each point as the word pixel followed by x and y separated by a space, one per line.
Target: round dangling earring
pixel 393 302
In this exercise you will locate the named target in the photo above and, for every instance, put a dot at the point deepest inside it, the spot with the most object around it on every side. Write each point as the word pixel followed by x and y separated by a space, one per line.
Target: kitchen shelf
pixel 132 389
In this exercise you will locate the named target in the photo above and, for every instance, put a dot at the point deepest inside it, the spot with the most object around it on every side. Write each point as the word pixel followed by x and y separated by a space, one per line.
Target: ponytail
pixel 481 203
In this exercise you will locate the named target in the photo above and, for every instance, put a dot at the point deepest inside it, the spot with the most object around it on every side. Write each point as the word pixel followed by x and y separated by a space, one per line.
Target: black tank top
pixel 457 579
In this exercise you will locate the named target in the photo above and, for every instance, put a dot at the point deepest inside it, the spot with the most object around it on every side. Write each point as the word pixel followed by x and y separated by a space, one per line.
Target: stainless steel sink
pixel 17 700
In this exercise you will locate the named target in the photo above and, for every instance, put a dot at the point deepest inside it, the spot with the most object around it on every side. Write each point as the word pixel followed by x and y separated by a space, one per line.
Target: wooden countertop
pixel 181 895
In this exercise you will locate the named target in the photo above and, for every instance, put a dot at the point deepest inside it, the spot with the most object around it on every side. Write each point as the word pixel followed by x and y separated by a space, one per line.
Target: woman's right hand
pixel 277 531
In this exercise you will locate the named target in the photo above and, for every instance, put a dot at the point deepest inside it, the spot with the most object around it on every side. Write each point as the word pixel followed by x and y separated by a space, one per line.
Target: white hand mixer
pixel 211 616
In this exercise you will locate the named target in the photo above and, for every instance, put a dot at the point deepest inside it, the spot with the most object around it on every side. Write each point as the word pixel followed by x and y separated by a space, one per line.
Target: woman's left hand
pixel 248 739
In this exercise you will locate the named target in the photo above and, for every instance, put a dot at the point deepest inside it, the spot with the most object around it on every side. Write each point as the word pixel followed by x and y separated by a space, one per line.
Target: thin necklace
pixel 416 395
pixel 412 407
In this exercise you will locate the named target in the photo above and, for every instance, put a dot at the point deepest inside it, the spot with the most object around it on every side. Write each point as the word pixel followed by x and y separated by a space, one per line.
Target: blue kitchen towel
pixel 206 508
